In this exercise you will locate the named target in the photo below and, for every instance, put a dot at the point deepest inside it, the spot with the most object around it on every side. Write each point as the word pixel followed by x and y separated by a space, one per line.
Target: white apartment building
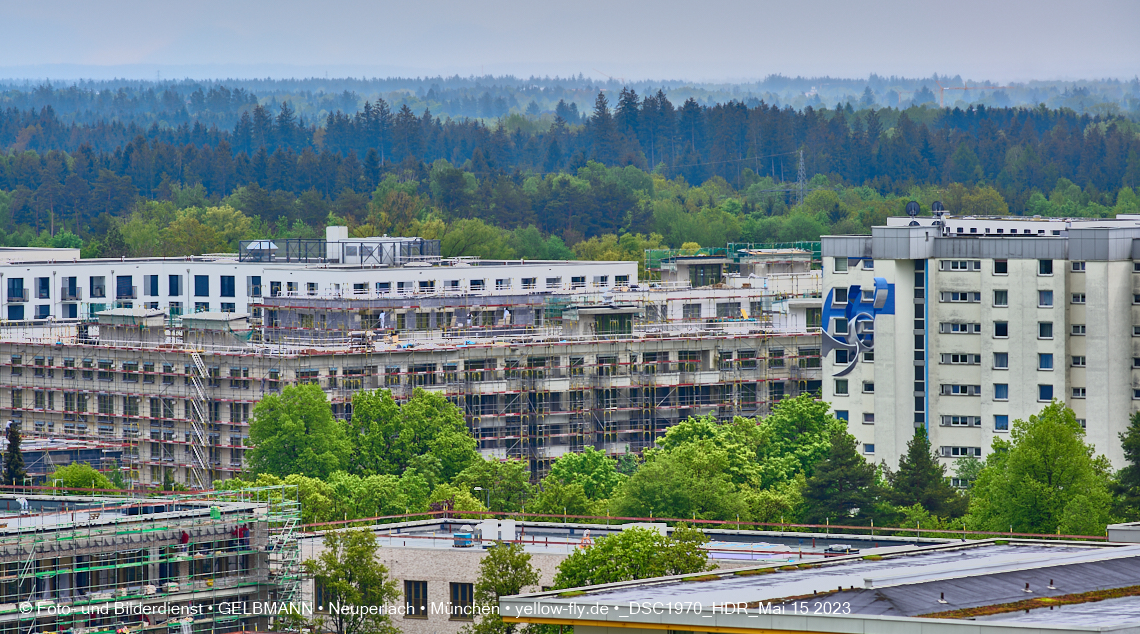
pixel 56 284
pixel 964 325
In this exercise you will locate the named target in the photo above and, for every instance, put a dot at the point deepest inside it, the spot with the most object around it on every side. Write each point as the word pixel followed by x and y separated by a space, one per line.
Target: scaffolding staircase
pixel 199 423
pixel 284 520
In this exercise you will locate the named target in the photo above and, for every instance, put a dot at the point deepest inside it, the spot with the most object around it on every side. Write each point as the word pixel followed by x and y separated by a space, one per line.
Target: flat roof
pixel 729 546
pixel 941 586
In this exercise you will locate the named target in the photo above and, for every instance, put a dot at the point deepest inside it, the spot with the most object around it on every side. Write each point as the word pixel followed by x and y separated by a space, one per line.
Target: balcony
pixel 17 295
pixel 70 294
pixel 123 293
pixel 98 292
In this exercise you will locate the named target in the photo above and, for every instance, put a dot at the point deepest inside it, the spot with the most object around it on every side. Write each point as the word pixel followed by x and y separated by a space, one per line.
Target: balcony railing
pixel 17 295
pixel 125 294
pixel 70 294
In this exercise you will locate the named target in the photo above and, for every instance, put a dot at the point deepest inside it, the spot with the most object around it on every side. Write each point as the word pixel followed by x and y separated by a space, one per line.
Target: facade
pixel 543 358
pixel 55 284
pixel 963 325
pixel 158 564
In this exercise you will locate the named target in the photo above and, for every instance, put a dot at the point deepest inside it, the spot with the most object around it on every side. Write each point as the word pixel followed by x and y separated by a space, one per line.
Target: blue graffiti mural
pixel 859 315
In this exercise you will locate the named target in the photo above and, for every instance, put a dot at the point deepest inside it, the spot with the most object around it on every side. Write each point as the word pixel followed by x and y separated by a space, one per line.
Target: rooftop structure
pixel 938 588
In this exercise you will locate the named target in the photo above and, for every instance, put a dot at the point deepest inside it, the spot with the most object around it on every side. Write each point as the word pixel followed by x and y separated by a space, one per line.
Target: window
pixel 840 326
pixel 1044 267
pixel 869 356
pixel 1078 267
pixel 621 280
pixel 462 601
pixel 955 296
pixel 868 387
pixel 841 356
pixel 201 286
pixel 868 418
pixel 841 387
pixel 961 452
pixel 1044 330
pixel 691 311
pixel 1078 298
pixel 98 286
pixel 1044 299
pixel 503 284
pixel 528 283
pixel 228 286
pixel 1044 392
pixel 1079 330
pixel 201 307
pixel 554 282
pixel 415 593
pixel 1001 360
pixel 841 414
pixel 868 448
pixel 840 296
pixel 1136 299
pixel 478 285
pixel 961 359
pixel 960 265
pixel 961 421
pixel 1001 267
pixel 840 265
pixel 1001 328
pixel 1078 392
pixel 578 281
pixel 868 264
pixel 1001 298
pixel 961 390
pixel 1044 361
pixel 311 287
pixel 253 283
pixel 1001 422
pixel 953 328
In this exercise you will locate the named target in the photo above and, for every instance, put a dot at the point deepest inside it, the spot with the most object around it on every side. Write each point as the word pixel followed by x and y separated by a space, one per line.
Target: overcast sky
pixel 1001 40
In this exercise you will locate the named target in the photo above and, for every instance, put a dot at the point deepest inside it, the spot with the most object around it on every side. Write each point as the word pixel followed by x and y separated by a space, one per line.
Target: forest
pixel 635 165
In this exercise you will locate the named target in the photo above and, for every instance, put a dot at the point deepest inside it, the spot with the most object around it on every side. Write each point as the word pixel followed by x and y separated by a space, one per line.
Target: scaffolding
pixel 89 565
pixel 532 381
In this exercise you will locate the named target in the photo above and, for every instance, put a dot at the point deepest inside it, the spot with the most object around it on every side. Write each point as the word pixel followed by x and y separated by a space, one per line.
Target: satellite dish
pixel 912 209
pixel 937 206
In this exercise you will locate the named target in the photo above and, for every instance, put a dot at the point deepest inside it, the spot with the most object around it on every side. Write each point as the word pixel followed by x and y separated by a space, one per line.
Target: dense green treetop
pixel 636 553
pixel 1044 479
pixel 295 433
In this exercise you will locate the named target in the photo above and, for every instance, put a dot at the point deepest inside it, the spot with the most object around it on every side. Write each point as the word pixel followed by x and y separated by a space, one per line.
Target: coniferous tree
pixel 920 479
pixel 842 489
pixel 14 471
pixel 1128 478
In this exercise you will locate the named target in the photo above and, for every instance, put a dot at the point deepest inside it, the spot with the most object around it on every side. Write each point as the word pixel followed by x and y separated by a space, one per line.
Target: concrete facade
pixel 992 319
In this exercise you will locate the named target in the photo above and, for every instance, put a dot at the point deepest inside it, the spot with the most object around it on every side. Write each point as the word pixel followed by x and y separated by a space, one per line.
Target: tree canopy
pixel 635 553
pixel 1044 479
pixel 295 433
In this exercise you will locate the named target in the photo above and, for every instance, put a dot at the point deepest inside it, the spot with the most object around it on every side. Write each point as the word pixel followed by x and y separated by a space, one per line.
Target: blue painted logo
pixel 859 315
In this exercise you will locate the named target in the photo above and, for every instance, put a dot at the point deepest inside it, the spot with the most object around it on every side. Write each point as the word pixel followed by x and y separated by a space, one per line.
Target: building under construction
pixel 537 373
pixel 208 562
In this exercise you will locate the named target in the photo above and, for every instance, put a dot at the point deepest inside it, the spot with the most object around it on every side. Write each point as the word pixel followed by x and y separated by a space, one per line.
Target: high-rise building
pixel 964 325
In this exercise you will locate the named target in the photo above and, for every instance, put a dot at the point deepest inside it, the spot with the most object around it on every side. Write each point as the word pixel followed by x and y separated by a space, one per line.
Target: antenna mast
pixel 802 178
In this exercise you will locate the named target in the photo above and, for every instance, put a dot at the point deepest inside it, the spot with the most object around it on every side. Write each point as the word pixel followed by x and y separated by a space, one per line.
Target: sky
pixel 699 40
